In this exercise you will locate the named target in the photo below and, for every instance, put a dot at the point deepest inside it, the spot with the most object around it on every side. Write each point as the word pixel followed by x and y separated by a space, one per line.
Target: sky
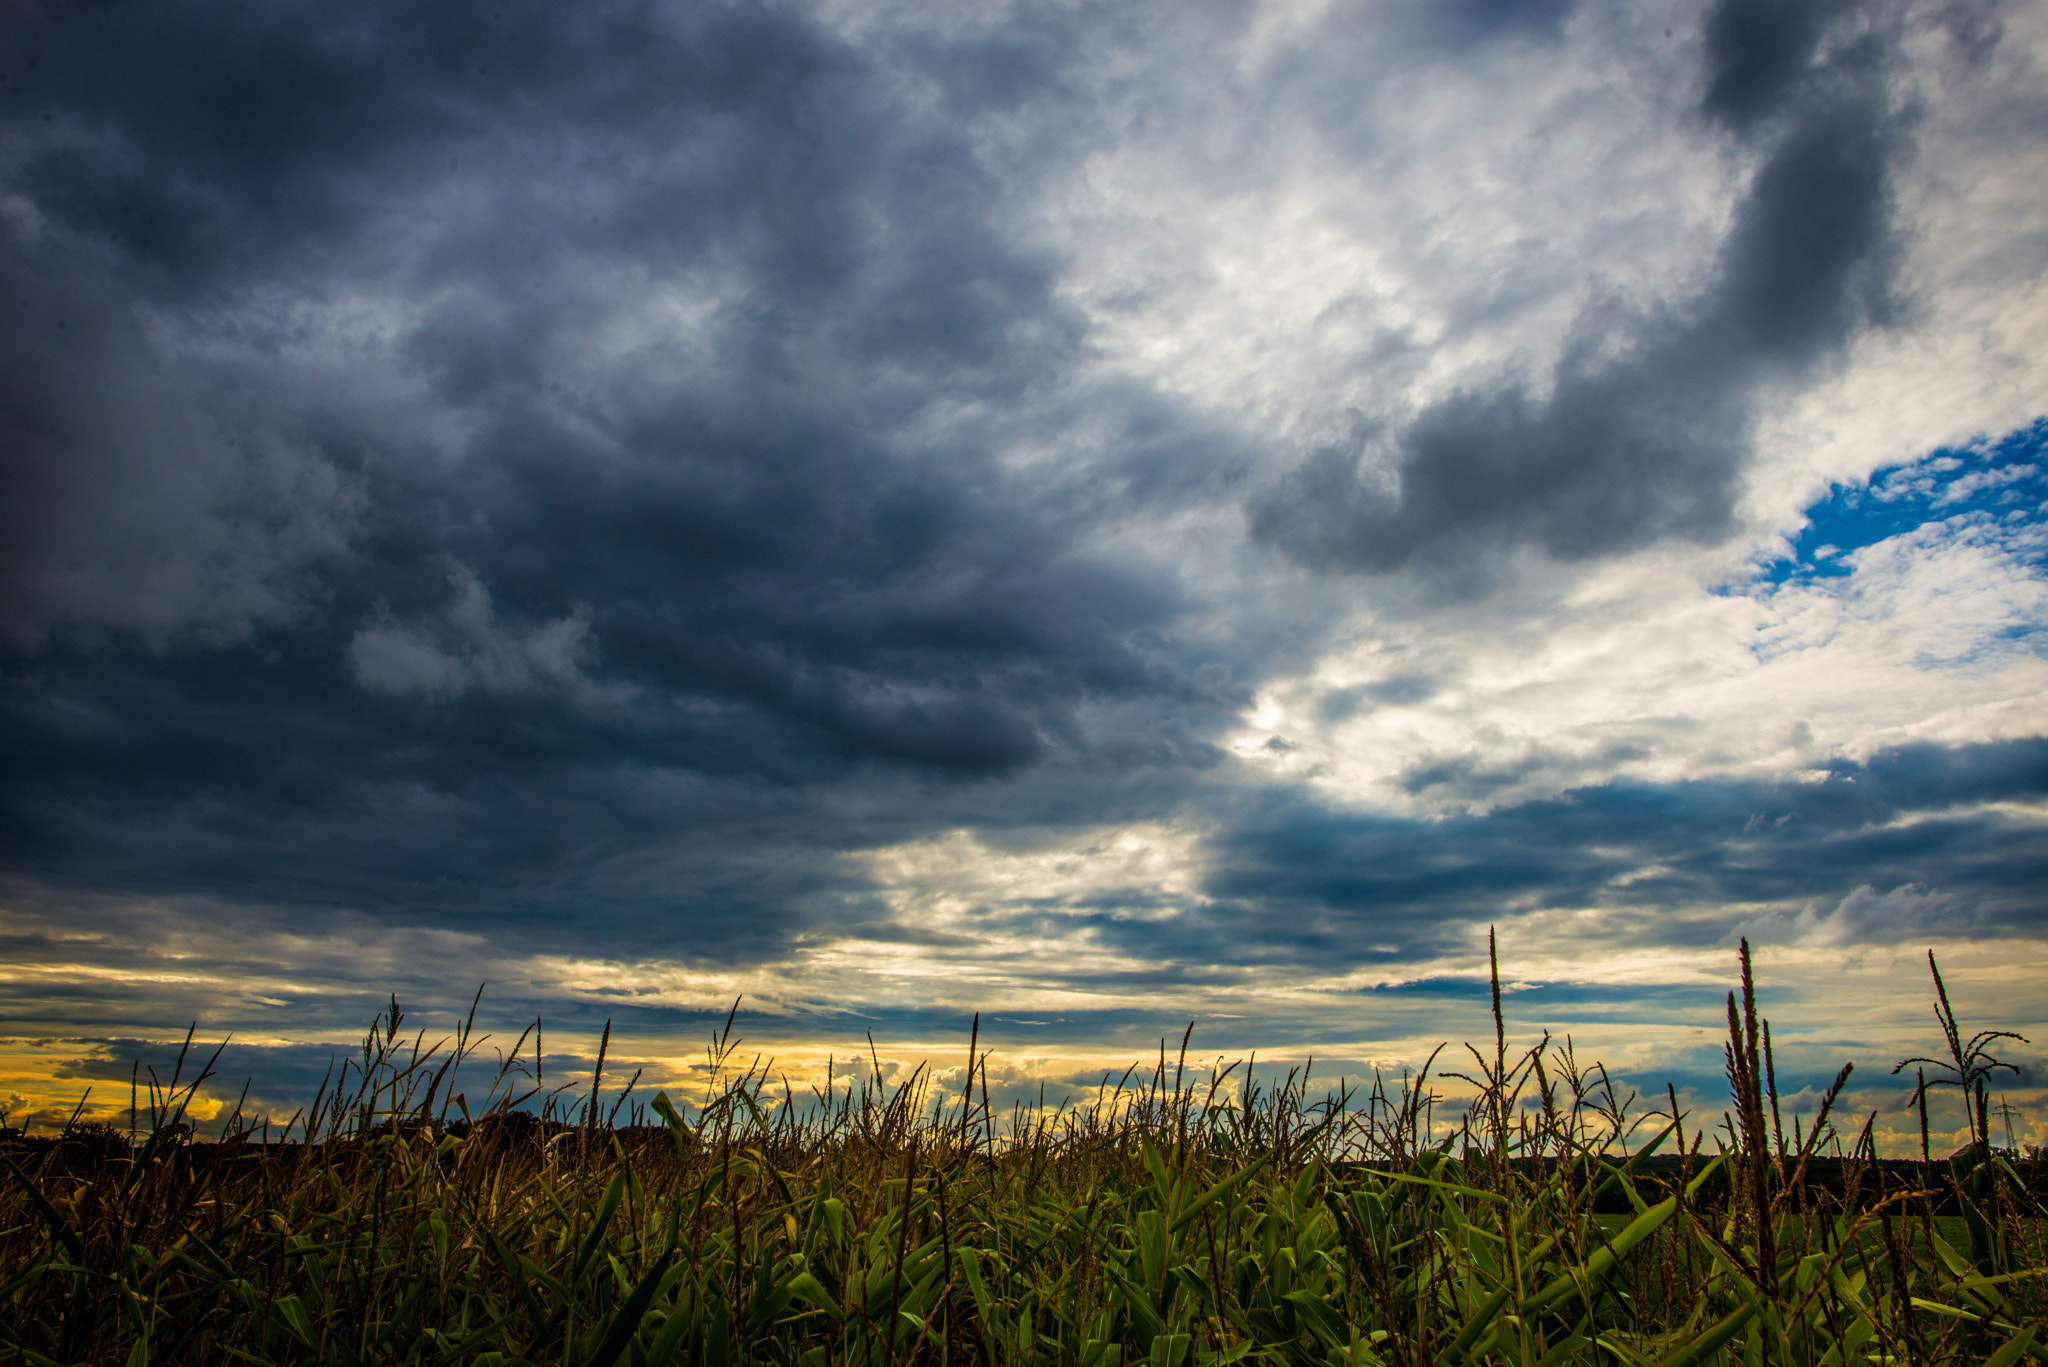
pixel 1104 516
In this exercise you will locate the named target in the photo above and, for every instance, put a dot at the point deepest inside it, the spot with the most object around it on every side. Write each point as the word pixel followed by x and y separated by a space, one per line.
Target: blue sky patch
pixel 2003 481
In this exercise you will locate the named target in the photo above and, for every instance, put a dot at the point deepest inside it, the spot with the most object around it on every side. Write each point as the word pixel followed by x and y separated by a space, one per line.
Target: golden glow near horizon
pixel 811 1016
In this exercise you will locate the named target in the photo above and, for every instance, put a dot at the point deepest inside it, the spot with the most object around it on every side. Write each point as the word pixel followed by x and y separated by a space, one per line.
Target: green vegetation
pixel 1170 1222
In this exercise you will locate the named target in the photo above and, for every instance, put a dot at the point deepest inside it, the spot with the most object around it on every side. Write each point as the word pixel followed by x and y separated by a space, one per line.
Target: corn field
pixel 1170 1222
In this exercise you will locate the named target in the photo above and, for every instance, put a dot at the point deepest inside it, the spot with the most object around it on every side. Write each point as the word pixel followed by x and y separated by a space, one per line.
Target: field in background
pixel 1170 1221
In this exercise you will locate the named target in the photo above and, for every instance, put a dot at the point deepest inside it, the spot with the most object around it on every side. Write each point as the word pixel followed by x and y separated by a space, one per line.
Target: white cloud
pixel 1640 668
pixel 1303 230
pixel 1867 916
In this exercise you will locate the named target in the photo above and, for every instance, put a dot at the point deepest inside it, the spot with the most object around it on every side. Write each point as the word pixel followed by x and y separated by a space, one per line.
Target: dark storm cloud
pixel 216 142
pixel 514 598
pixel 1758 51
pixel 274 781
pixel 1635 444
pixel 1366 889
pixel 124 504
pixel 1911 842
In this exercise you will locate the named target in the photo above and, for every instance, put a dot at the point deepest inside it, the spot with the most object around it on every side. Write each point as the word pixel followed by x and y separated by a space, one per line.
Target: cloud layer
pixel 1645 437
pixel 1086 507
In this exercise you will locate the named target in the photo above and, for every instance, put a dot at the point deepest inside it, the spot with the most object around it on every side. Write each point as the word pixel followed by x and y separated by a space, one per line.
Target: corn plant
pixel 1173 1220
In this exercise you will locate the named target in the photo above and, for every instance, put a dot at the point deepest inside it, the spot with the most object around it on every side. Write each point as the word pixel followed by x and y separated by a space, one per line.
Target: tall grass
pixel 1171 1221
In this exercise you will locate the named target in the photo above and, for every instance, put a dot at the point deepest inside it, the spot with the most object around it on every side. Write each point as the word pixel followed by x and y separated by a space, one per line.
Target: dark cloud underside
pixel 1759 52
pixel 487 606
pixel 738 525
pixel 1363 888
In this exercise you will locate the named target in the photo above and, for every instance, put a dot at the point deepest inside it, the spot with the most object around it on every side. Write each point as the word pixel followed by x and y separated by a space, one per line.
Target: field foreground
pixel 1170 1223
